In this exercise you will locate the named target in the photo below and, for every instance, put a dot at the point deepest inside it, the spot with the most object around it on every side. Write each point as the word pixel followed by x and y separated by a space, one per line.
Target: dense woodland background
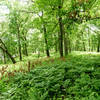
pixel 49 49
pixel 43 27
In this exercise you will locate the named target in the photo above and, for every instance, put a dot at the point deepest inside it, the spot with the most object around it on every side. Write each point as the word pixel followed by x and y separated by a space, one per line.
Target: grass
pixel 73 78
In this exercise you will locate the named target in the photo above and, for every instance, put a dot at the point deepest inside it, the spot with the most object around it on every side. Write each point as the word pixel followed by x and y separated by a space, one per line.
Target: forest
pixel 49 49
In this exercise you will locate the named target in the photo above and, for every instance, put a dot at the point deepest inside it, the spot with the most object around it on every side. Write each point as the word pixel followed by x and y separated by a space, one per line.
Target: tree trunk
pixel 25 51
pixel 19 44
pixel 98 46
pixel 6 51
pixel 4 56
pixel 70 47
pixel 56 48
pixel 25 47
pixel 84 46
pixel 45 36
pixel 46 42
pixel 92 45
pixel 83 42
pixel 89 41
pixel 38 54
pixel 61 31
pixel 89 45
pixel 56 44
pixel 65 43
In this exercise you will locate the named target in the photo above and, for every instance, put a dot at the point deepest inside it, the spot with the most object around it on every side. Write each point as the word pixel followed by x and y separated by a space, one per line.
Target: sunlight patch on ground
pixel 85 53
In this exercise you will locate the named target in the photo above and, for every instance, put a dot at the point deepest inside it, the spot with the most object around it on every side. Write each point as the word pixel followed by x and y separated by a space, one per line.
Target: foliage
pixel 76 78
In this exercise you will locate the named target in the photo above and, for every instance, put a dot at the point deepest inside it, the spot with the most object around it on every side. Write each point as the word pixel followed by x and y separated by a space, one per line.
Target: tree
pixel 4 49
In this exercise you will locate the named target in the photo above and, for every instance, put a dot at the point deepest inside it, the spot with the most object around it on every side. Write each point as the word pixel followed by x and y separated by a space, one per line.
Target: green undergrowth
pixel 32 58
pixel 76 78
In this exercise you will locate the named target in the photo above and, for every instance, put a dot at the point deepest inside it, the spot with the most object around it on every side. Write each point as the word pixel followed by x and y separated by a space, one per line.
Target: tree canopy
pixel 47 26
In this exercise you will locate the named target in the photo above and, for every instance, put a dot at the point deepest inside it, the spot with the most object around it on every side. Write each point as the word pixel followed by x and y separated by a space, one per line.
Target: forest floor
pixel 23 65
pixel 74 77
pixel 34 58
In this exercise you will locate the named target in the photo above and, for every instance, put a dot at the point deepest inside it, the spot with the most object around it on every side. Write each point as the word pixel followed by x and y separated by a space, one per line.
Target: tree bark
pixel 46 42
pixel 70 47
pixel 4 57
pixel 98 45
pixel 61 31
pixel 45 36
pixel 56 44
pixel 19 44
pixel 84 46
pixel 89 41
pixel 6 51
pixel 25 47
pixel 65 43
pixel 25 50
pixel 83 42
